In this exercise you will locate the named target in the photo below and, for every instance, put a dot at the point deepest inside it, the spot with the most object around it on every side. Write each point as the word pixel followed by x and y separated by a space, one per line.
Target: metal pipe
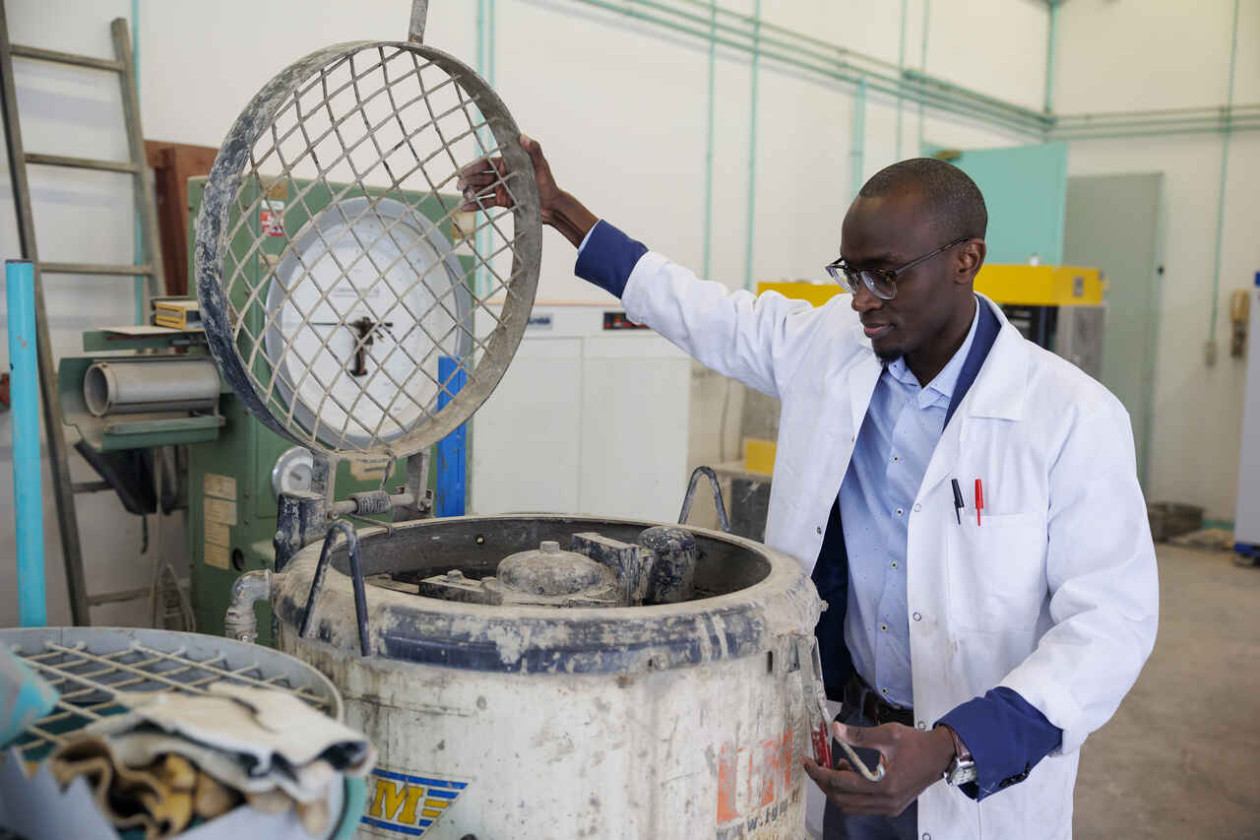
pixel 972 97
pixel 799 36
pixel 139 281
pixel 28 480
pixel 356 579
pixel 927 8
pixel 125 387
pixel 708 146
pixel 901 66
pixel 971 108
pixel 1154 132
pixel 241 622
pixel 1206 110
pixel 857 152
pixel 1220 200
pixel 1051 45
pixel 752 154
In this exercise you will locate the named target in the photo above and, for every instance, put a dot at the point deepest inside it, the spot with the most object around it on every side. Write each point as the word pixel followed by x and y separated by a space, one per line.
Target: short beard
pixel 889 356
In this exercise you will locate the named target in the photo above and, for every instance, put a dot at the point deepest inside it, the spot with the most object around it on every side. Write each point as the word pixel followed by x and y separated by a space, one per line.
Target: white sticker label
pixel 223 486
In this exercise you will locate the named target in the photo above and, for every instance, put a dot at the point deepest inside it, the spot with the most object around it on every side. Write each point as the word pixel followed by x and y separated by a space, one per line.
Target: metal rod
pixel 708 145
pixel 80 163
pixel 28 481
pixel 707 472
pixel 38 54
pixel 901 67
pixel 356 576
pixel 1052 38
pixel 137 247
pixel 92 487
pixel 752 151
pixel 857 150
pixel 419 16
pixel 791 55
pixel 1196 109
pixel 923 54
pixel 1220 198
pixel 54 429
pixel 96 268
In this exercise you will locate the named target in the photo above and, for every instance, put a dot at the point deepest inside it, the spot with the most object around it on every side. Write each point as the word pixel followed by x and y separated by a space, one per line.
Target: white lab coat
pixel 1055 595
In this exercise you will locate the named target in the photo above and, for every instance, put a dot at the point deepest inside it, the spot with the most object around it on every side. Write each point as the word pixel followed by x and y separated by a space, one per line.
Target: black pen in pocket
pixel 958 500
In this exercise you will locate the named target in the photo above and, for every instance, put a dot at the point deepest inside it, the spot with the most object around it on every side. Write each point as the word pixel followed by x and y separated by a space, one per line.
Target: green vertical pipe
pixel 481 280
pixel 927 9
pixel 708 149
pixel 490 44
pixel 138 237
pixel 1220 197
pixel 1052 39
pixel 752 151
pixel 857 151
pixel 901 66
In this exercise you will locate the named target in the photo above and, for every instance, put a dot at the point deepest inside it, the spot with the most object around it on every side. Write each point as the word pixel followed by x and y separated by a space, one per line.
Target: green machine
pixel 149 387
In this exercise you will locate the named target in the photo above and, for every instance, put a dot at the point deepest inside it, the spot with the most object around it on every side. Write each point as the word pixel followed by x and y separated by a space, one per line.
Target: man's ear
pixel 970 257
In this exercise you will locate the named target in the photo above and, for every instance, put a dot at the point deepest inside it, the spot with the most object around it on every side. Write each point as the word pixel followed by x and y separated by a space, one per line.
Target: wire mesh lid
pixel 90 666
pixel 343 292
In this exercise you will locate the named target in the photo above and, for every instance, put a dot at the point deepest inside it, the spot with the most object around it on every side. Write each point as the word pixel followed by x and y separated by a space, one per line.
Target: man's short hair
pixel 952 197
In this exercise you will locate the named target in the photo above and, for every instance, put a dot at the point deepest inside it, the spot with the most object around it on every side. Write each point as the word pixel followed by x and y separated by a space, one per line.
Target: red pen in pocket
pixel 979 501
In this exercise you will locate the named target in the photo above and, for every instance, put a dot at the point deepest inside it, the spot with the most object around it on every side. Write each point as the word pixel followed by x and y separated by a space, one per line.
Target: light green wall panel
pixel 1025 191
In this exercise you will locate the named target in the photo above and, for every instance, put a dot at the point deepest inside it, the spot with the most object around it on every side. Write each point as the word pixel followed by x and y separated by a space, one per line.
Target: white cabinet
pixel 586 420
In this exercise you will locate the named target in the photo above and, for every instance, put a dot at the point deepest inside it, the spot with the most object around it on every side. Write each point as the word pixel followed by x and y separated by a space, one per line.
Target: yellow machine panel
pixel 1013 285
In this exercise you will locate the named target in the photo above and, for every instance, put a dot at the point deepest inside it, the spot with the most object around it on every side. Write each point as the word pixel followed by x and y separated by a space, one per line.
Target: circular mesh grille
pixel 343 291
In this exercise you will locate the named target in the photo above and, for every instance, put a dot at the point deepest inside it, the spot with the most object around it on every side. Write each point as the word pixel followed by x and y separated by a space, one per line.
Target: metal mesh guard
pixel 89 666
pixel 342 291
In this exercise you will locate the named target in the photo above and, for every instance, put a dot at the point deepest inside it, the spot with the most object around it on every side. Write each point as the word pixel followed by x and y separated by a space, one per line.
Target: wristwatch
pixel 961 768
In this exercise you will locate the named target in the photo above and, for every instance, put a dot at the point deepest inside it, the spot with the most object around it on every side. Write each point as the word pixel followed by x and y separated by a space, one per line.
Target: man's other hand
pixel 912 760
pixel 484 186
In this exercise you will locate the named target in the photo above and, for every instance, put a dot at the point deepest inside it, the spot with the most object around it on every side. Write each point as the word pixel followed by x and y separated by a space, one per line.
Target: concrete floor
pixel 1181 757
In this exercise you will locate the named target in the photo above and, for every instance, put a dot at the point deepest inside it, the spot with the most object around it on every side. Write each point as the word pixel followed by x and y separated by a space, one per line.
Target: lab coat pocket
pixel 997 572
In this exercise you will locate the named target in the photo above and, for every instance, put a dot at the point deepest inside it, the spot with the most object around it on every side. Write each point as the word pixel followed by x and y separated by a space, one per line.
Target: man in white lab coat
pixel 967 504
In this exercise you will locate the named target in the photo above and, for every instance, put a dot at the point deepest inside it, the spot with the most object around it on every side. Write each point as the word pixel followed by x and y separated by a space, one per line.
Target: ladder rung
pixel 93 268
pixel 66 58
pixel 81 163
pixel 90 486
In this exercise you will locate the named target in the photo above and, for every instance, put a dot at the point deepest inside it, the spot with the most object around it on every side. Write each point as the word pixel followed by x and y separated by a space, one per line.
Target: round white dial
pixel 359 312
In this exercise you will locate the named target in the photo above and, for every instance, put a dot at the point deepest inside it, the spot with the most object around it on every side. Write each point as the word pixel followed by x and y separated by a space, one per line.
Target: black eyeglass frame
pixel 850 277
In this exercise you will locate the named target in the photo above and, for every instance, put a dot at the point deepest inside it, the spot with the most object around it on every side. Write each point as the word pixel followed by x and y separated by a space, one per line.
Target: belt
pixel 859 695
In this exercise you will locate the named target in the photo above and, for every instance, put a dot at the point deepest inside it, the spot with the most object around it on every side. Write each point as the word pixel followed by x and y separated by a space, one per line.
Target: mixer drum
pixel 597 705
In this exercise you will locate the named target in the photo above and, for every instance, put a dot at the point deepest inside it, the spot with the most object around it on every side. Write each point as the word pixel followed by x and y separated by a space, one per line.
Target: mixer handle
pixel 723 522
pixel 356 578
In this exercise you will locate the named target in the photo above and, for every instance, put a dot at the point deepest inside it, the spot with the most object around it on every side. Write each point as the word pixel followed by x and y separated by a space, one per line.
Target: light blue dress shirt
pixel 892 452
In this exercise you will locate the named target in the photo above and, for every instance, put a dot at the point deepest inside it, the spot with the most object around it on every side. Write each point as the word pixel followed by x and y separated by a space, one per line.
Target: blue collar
pixel 987 329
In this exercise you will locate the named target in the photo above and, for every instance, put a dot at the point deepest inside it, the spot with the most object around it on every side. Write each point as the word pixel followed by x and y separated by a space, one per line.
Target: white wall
pixel 619 106
pixel 1160 54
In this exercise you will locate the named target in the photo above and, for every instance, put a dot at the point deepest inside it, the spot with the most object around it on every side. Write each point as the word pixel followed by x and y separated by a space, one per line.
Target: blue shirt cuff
pixel 607 256
pixel 1006 735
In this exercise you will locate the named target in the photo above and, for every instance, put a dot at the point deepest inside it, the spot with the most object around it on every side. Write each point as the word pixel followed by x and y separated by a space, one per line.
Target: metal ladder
pixel 151 268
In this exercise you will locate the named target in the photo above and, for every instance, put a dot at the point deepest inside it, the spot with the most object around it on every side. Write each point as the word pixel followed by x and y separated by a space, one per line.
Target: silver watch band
pixel 961 771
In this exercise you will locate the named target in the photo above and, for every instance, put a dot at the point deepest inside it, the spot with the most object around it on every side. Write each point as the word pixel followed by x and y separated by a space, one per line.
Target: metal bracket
pixel 723 522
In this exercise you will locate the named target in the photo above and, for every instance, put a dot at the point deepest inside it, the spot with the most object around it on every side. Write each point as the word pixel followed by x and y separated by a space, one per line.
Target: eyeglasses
pixel 881 281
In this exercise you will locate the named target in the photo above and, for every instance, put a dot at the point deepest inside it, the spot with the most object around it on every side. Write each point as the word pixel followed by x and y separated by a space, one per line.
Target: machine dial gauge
pixel 293 471
pixel 360 310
